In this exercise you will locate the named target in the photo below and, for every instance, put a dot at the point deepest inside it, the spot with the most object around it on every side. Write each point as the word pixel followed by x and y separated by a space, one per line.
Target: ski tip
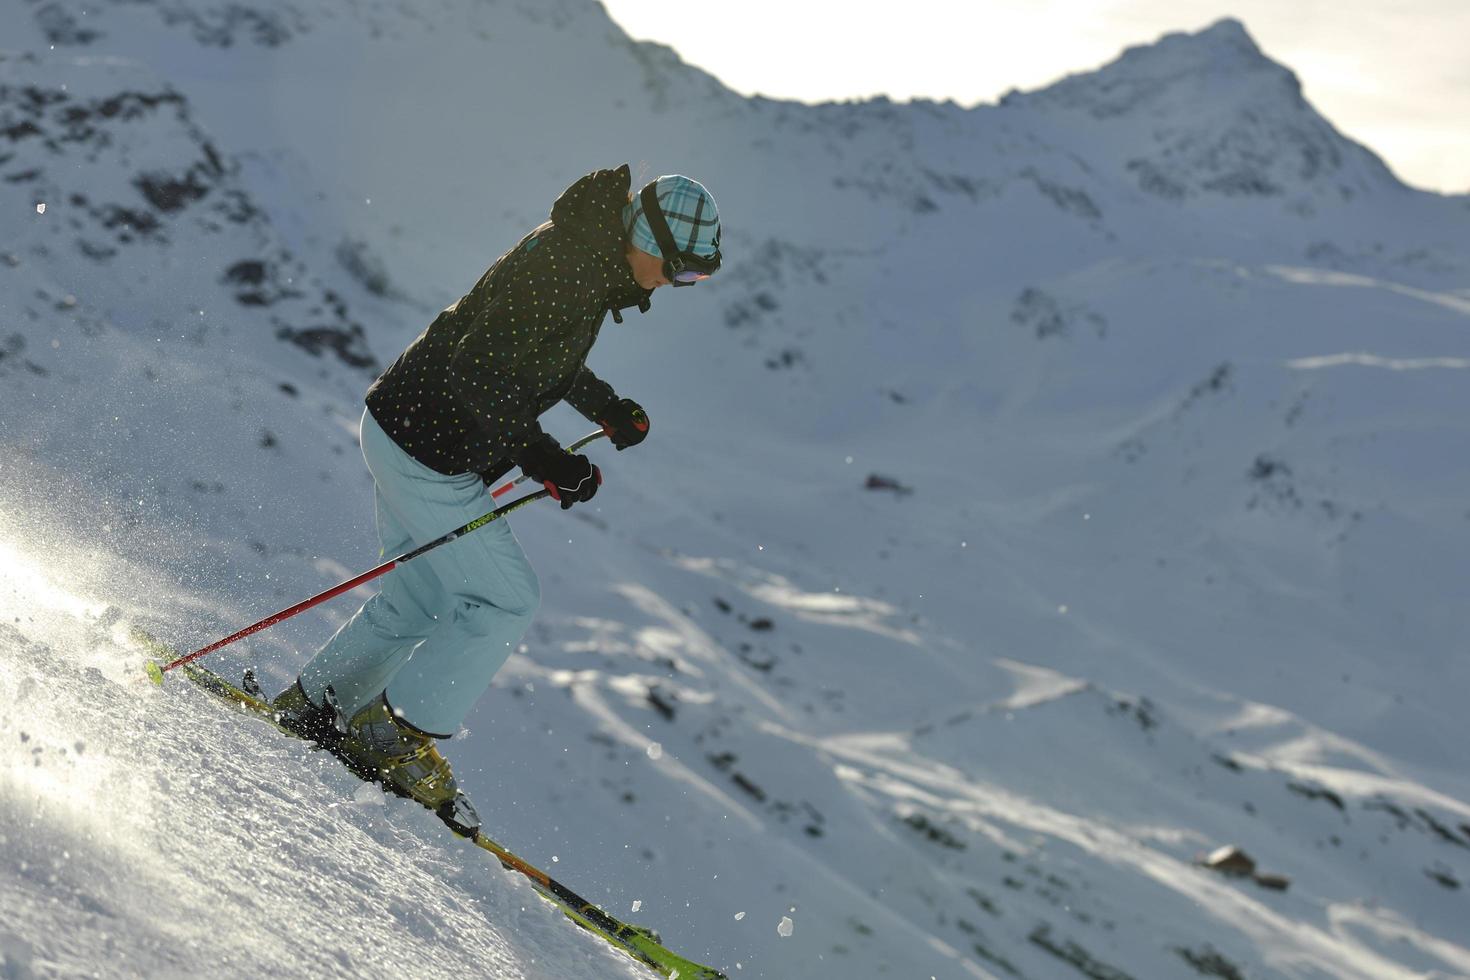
pixel 155 673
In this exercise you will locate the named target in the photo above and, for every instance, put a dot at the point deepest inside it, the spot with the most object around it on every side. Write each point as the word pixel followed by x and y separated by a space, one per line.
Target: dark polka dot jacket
pixel 466 394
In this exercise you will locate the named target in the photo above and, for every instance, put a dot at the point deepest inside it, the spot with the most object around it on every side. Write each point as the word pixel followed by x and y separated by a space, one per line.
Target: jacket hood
pixel 592 210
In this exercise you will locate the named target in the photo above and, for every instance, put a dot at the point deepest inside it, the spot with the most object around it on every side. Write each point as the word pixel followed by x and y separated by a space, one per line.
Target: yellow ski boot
pixel 380 746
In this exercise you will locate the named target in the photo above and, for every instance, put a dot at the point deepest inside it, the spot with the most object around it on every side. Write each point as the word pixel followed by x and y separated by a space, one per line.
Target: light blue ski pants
pixel 442 624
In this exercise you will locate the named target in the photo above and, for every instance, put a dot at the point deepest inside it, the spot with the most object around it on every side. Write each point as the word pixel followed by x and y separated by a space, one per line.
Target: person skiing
pixel 453 414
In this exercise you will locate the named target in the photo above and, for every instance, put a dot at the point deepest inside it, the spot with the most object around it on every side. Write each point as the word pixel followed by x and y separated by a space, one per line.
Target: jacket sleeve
pixel 494 368
pixel 590 395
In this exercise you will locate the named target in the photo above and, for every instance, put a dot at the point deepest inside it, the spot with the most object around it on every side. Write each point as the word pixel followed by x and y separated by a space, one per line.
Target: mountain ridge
pixel 1221 116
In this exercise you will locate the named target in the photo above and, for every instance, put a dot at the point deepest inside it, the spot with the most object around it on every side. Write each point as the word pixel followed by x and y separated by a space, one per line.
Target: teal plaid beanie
pixel 690 210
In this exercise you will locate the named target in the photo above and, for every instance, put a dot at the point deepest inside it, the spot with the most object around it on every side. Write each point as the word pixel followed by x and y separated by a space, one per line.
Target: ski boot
pixel 382 747
pixel 296 713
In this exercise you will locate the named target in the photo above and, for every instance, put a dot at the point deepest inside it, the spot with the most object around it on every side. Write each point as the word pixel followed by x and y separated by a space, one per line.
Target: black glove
pixel 625 422
pixel 571 479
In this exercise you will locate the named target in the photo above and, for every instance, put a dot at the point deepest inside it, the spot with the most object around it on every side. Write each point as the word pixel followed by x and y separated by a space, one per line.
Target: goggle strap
pixel 656 221
pixel 694 227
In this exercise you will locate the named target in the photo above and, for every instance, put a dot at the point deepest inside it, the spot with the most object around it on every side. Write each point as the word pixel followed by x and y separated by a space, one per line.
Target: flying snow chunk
pixel 637 904
pixel 786 928
pixel 739 916
pixel 40 208
pixel 655 751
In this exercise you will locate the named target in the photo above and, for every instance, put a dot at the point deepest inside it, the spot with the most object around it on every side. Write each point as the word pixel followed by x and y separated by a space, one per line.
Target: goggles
pixel 681 267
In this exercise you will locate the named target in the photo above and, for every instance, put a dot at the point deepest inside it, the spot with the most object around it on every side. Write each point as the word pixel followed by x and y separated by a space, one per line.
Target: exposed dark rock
pixel 15 132
pixel 251 272
pixel 984 901
pixel 1044 314
pixel 1218 382
pixel 140 222
pixel 747 657
pixel 1243 183
pixel 978 942
pixel 231 24
pixel 94 251
pixel 934 832
pixel 970 187
pixel 350 346
pixel 876 481
pixel 1142 711
pixel 1401 816
pixel 1076 956
pixel 1275 480
pixel 1440 830
pixel 1069 199
pixel 235 206
pixel 1443 877
pixel 751 310
pixel 1153 180
pixel 811 818
pixel 1207 962
pixel 1317 793
pixel 61 28
pixel 663 705
pixel 365 267
pixel 788 358
pixel 744 783
pixel 1040 312
pixel 168 193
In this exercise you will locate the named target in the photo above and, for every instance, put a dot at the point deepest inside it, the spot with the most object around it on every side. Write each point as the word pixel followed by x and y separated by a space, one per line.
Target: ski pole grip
pixel 590 437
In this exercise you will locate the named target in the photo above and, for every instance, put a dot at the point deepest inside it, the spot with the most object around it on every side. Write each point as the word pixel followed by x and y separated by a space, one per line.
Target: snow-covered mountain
pixel 1045 494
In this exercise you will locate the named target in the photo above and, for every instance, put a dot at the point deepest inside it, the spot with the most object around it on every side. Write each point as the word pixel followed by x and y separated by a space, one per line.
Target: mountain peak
pixel 1223 48
pixel 1212 61
pixel 1208 112
pixel 1226 35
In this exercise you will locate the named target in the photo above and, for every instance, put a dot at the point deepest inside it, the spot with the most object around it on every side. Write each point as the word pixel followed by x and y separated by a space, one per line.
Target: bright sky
pixel 1393 74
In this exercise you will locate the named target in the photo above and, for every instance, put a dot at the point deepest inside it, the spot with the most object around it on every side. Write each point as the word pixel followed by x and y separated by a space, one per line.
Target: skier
pixel 453 414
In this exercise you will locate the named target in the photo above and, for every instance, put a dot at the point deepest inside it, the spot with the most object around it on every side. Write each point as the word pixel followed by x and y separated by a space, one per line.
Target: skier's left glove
pixel 570 479
pixel 625 422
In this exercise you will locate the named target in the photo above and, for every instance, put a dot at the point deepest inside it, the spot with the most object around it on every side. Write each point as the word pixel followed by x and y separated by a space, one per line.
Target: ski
pixel 642 944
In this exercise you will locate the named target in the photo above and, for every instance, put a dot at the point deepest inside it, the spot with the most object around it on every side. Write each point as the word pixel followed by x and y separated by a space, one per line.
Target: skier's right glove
pixel 570 479
pixel 625 422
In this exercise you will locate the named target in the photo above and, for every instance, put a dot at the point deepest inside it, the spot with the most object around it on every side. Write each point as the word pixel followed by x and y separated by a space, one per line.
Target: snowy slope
pixel 1169 374
pixel 153 835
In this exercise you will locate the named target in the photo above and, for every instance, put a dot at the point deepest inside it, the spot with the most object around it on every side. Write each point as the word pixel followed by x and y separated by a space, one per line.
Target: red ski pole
pixel 156 671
